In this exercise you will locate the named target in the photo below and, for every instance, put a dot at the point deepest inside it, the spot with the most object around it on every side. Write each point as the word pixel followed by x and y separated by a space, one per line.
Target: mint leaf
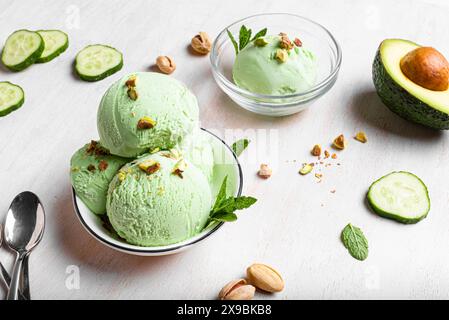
pixel 239 146
pixel 244 37
pixel 224 208
pixel 221 196
pixel 225 217
pixel 259 34
pixel 355 241
pixel 243 202
pixel 234 43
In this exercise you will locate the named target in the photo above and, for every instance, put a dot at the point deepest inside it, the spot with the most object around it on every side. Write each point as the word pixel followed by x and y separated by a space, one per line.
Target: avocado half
pixel 401 95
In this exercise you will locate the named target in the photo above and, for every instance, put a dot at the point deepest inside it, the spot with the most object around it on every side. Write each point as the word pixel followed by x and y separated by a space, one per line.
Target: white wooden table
pixel 296 224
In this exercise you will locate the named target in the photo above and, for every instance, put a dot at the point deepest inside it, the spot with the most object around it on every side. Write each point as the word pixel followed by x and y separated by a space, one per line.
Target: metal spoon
pixel 24 229
pixel 3 274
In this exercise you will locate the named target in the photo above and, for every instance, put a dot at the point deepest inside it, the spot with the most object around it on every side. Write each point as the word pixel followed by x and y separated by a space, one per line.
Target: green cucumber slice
pixel 22 49
pixel 11 97
pixel 401 196
pixel 96 62
pixel 55 43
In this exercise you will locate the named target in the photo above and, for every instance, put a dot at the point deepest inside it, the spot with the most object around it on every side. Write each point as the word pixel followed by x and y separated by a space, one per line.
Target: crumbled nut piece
pixel 75 169
pixel 260 42
pixel 146 123
pixel 91 168
pixel 103 165
pixel 281 55
pixel 155 150
pixel 316 151
pixel 265 172
pixel 334 156
pixel 201 43
pixel 285 42
pixel 131 82
pixel 133 114
pixel 165 64
pixel 149 166
pixel 179 168
pixel 132 93
pixel 361 136
pixel 121 175
pixel 326 154
pixel 297 42
pixel 318 175
pixel 340 142
pixel 95 149
pixel 306 168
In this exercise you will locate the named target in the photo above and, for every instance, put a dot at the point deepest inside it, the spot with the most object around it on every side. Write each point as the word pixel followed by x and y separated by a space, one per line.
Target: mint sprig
pixel 239 146
pixel 225 207
pixel 354 240
pixel 244 37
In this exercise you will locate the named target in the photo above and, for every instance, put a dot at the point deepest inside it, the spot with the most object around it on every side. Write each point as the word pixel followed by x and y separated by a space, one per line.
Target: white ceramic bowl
pixel 226 163
pixel 315 38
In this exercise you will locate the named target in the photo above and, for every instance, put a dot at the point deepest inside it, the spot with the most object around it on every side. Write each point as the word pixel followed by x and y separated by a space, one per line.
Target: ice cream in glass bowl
pixel 150 185
pixel 275 64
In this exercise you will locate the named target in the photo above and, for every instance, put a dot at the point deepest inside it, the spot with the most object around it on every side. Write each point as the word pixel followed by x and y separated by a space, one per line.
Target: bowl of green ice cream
pixel 275 64
pixel 154 189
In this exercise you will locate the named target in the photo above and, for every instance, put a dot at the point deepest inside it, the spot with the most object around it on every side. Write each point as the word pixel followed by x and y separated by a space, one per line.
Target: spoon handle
pixel 13 293
pixel 26 279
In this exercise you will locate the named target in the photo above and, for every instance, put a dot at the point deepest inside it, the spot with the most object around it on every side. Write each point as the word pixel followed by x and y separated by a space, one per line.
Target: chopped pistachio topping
pixel 150 166
pixel 121 175
pixel 131 82
pixel 260 42
pixel 155 150
pixel 361 136
pixel 306 168
pixel 285 42
pixel 297 42
pixel 146 123
pixel 179 168
pixel 103 165
pixel 281 55
pixel 132 93
pixel 91 168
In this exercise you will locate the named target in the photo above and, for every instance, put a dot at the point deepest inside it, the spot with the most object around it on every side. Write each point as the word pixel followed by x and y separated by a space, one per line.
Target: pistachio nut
pixel 165 64
pixel 201 43
pixel 265 278
pixel 237 290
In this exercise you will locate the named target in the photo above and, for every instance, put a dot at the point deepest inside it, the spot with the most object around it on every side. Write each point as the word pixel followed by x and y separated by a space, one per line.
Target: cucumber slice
pixel 11 97
pixel 401 196
pixel 22 49
pixel 55 43
pixel 96 62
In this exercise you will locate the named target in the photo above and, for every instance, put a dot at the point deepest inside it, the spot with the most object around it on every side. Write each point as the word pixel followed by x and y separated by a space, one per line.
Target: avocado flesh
pixel 400 94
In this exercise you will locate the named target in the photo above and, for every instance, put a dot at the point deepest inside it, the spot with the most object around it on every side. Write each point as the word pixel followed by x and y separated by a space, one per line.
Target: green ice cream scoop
pixel 150 203
pixel 258 69
pixel 152 111
pixel 91 170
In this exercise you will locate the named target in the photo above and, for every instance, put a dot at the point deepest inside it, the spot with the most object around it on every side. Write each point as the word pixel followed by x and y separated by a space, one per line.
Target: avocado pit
pixel 426 67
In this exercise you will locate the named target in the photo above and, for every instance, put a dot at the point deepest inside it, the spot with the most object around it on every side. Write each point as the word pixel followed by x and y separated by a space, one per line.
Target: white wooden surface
pixel 296 224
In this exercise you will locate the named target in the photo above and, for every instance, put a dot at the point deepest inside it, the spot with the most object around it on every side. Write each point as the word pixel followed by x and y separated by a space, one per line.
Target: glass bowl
pixel 226 164
pixel 315 38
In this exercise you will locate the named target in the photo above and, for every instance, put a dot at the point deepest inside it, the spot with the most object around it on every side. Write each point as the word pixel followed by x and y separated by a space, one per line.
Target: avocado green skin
pixel 17 105
pixel 31 58
pixel 105 74
pixel 393 216
pixel 403 103
pixel 57 52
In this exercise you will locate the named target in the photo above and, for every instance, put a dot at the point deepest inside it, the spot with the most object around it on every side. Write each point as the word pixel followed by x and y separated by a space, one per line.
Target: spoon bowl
pixel 24 228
